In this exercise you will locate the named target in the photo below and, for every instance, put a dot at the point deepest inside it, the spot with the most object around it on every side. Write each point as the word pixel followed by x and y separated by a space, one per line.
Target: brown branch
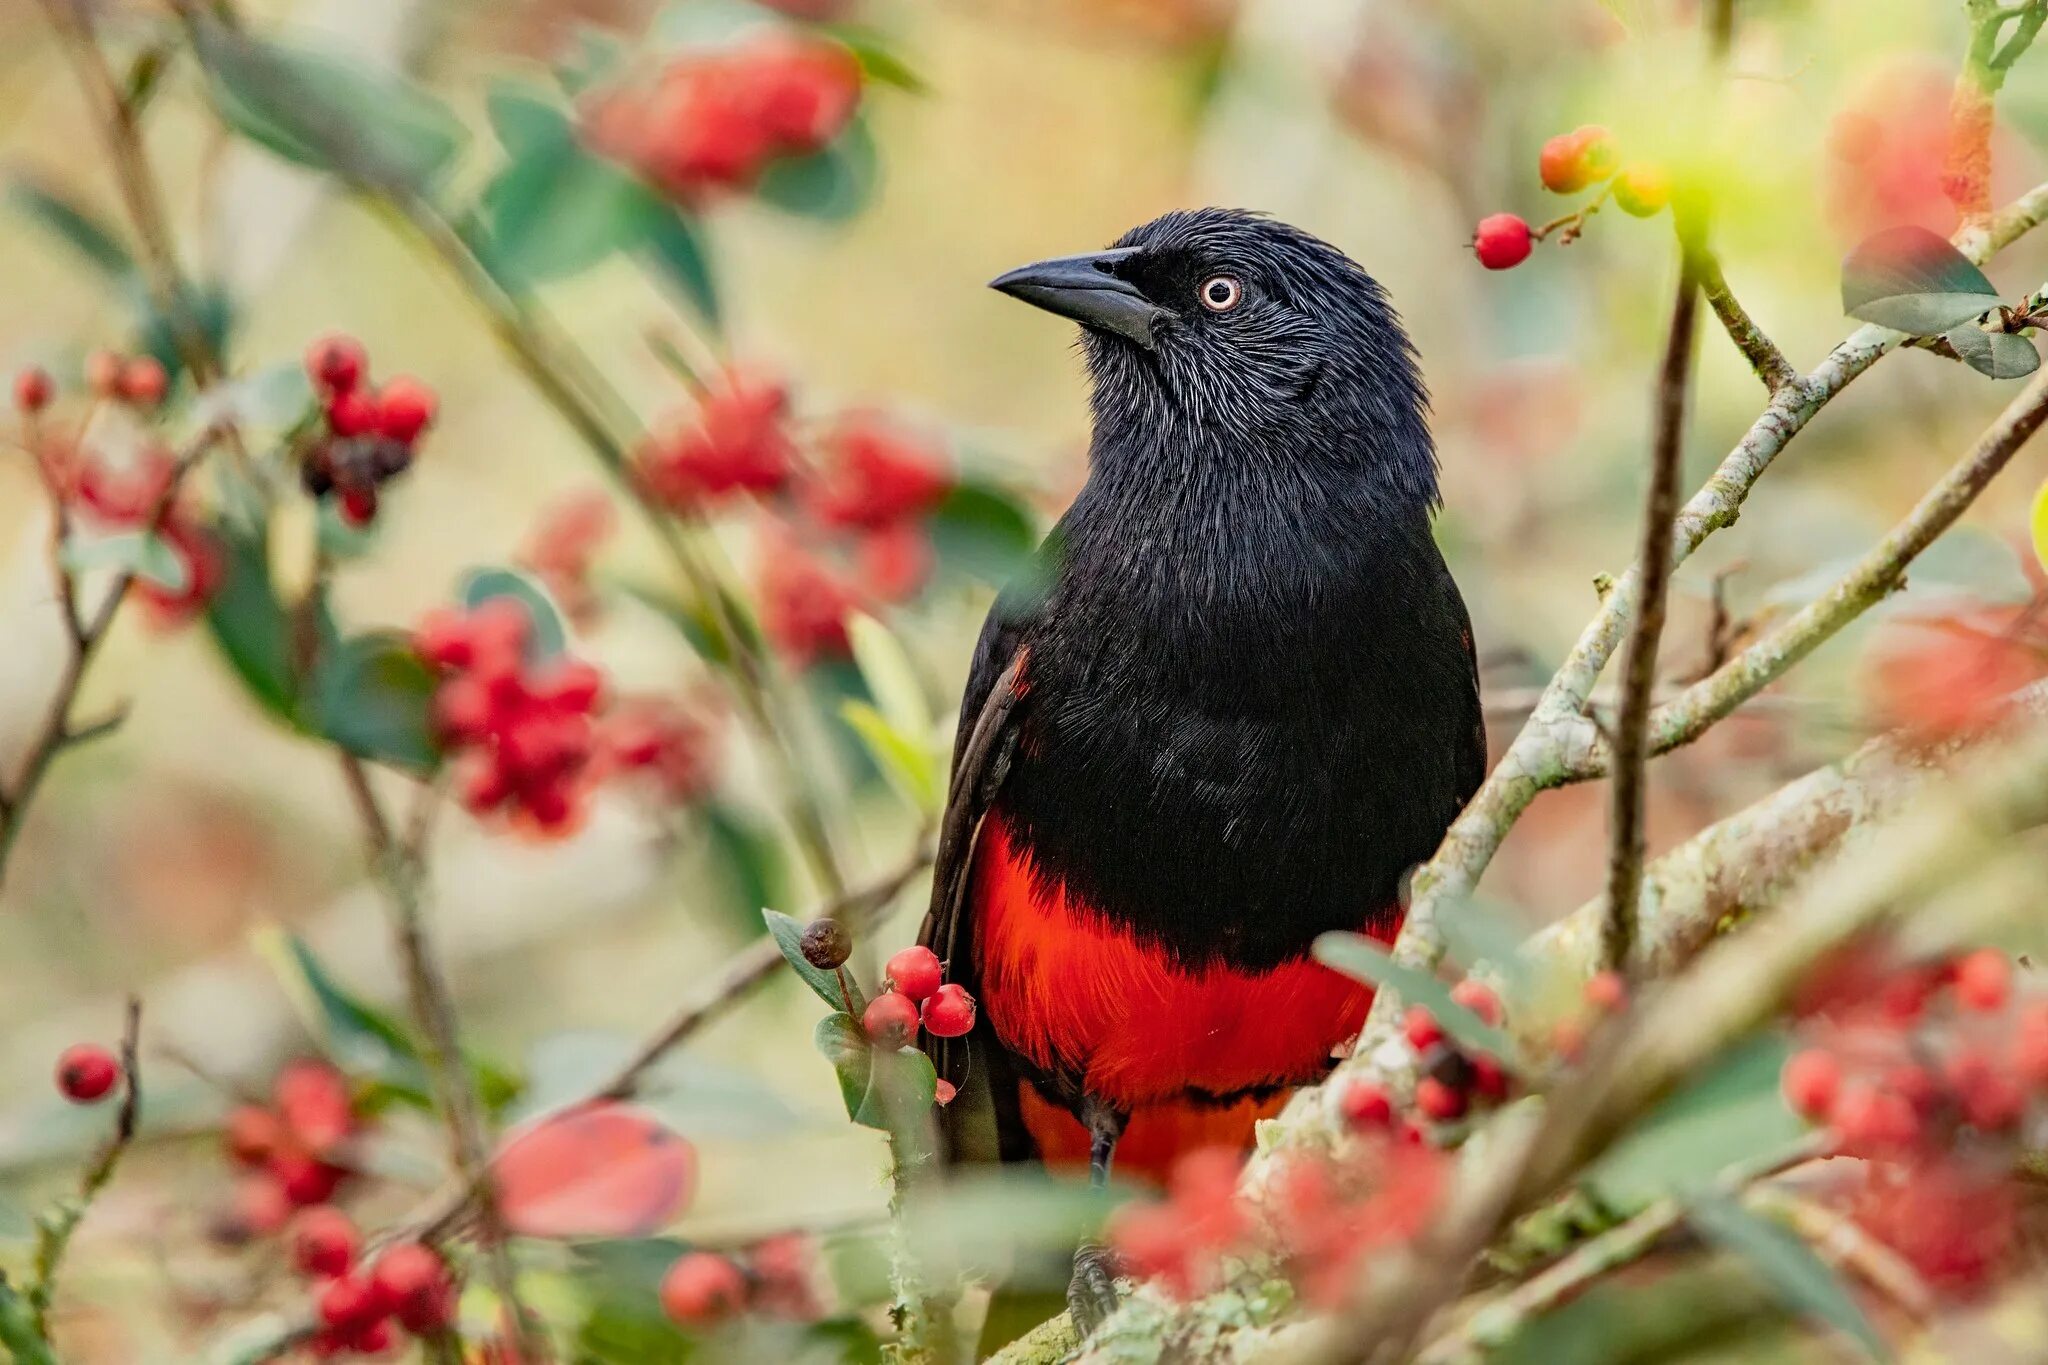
pixel 1639 659
pixel 84 633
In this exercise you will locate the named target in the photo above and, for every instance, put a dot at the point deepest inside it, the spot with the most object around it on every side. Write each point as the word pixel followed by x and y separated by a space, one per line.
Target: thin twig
pixel 84 634
pixel 54 1228
pixel 1759 350
pixel 1639 659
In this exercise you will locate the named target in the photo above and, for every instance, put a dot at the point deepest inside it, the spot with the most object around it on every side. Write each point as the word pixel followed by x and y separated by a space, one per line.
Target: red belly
pixel 1075 994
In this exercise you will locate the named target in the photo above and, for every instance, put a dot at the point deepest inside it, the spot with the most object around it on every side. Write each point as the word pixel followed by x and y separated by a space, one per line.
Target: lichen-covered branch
pixel 1759 350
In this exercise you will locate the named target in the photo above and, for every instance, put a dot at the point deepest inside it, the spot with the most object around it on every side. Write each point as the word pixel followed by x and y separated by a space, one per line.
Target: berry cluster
pixel 1450 1078
pixel 1316 1218
pixel 778 1278
pixel 367 435
pixel 1930 1071
pixel 87 1073
pixel 711 122
pixel 295 1150
pixel 121 497
pixel 865 489
pixel 357 1305
pixel 668 746
pixel 1571 162
pixel 917 993
pixel 525 730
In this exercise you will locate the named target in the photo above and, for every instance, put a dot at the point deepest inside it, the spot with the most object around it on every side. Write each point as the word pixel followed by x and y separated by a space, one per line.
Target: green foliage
pixel 373 696
pixel 1996 355
pixel 744 850
pixel 891 1090
pixel 549 636
pixel 143 553
pixel 832 184
pixel 329 113
pixel 788 934
pixel 1731 1114
pixel 361 1038
pixel 96 243
pixel 1787 1266
pixel 983 531
pixel 1913 281
pixel 255 633
pixel 897 729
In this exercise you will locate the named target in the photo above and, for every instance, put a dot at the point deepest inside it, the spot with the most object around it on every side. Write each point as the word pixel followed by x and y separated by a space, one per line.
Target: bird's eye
pixel 1220 293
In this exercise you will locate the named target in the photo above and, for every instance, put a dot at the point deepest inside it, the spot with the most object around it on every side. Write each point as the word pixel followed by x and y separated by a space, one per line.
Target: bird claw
pixel 1092 1293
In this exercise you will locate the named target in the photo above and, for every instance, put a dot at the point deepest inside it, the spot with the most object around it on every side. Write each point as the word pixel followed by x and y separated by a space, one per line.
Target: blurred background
pixel 1038 127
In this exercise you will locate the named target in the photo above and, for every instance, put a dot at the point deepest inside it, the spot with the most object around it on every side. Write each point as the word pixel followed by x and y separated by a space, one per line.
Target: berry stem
pixel 56 1225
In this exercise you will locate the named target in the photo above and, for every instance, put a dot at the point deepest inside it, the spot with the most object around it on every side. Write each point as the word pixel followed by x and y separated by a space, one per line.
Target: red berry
pixel 1810 1080
pixel 1478 997
pixel 944 1092
pixel 1994 1104
pixel 336 363
pixel 1984 980
pixel 1501 241
pixel 305 1180
pixel 442 639
pixel 915 971
pixel 1435 1100
pixel 314 1102
pixel 358 506
pixel 1642 189
pixel 1607 992
pixel 346 1302
pixel 144 382
pixel 1422 1028
pixel 251 1135
pixel 324 1241
pixel 950 1011
pixel 1489 1078
pixel 702 1290
pixel 33 389
pixel 1559 165
pixel 890 1019
pixel 371 1338
pixel 411 1280
pixel 429 1313
pixel 353 413
pixel 86 1072
pixel 1870 1120
pixel 405 408
pixel 1366 1106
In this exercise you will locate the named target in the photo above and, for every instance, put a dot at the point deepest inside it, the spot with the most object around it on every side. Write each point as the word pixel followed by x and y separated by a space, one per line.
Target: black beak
pixel 1085 289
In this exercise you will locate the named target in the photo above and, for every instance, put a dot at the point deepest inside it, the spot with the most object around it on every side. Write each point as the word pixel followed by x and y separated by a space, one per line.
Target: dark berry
pixel 826 945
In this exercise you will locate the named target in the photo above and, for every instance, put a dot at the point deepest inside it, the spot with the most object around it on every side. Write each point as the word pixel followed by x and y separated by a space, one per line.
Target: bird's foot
pixel 1091 1293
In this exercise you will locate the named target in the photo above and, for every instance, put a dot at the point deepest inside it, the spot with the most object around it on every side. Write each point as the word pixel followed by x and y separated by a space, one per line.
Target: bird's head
pixel 1224 332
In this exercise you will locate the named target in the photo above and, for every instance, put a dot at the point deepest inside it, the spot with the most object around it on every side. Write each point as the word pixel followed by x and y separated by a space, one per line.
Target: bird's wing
pixel 981 758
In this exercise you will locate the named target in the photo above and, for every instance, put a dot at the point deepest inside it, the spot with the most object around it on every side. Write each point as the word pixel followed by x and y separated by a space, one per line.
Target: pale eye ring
pixel 1220 293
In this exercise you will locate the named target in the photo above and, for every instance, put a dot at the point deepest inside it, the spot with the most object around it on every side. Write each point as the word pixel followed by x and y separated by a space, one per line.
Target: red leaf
pixel 598 1170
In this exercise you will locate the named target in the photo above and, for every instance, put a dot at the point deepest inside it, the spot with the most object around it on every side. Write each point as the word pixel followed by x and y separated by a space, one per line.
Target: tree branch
pixel 1759 350
pixel 1639 659
pixel 54 1229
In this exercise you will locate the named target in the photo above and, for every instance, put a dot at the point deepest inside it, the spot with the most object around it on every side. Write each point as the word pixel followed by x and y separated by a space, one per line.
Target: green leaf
pixel 548 636
pixel 1478 933
pixel 555 210
pixel 1998 355
pixel 254 631
pixel 831 184
pixel 902 1088
pixel 674 249
pixel 1729 1114
pixel 982 531
pixel 143 553
pixel 750 859
pixel 890 677
pixel 327 112
pixel 374 697
pixel 845 1045
pixel 85 232
pixel 1913 281
pixel 1787 1266
pixel 911 766
pixel 788 934
pixel 205 307
pixel 878 60
pixel 1360 958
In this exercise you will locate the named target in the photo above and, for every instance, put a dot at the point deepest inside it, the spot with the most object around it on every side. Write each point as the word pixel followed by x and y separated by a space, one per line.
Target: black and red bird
pixel 1235 704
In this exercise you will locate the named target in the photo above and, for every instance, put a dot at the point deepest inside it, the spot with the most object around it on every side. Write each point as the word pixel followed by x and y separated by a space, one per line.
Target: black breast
pixel 1242 730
